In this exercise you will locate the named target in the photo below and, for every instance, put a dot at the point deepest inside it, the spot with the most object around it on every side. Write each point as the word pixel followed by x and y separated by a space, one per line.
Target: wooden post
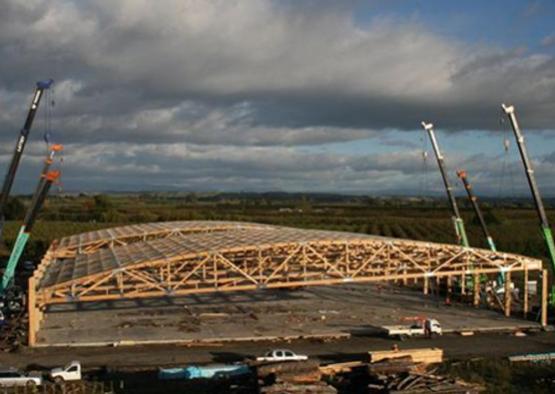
pixel 508 294
pixel 525 294
pixel 449 286
pixel 476 290
pixel 32 309
pixel 544 298
pixel 463 284
pixel 405 280
pixel 426 284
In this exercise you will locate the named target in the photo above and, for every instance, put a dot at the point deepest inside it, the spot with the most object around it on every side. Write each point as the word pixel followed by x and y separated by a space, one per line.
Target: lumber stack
pixel 293 377
pixel 423 355
pixel 334 369
pixel 420 383
pixel 289 388
pixel 394 366
pixel 287 368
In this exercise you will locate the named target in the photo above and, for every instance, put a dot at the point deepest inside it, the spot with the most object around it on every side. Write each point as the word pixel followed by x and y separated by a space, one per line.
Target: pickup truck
pixel 429 327
pixel 72 371
pixel 277 355
pixel 12 377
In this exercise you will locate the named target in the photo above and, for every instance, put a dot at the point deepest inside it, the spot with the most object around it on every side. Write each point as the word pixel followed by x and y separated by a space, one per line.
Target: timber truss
pixel 181 258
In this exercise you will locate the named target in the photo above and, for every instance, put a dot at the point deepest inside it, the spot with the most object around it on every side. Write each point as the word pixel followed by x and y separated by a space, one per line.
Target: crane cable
pixel 424 180
pixel 506 168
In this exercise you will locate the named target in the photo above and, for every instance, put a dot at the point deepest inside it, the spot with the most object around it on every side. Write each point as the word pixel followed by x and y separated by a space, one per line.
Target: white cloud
pixel 241 87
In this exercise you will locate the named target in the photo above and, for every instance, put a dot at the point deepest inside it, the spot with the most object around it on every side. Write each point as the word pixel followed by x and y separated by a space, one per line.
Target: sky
pixel 298 96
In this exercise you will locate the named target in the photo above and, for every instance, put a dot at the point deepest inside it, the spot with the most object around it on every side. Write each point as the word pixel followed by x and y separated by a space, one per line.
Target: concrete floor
pixel 345 309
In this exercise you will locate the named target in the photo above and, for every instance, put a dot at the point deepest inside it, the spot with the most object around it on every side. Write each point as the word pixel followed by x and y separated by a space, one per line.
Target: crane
pixel 457 219
pixel 41 86
pixel 474 201
pixel 544 223
pixel 47 177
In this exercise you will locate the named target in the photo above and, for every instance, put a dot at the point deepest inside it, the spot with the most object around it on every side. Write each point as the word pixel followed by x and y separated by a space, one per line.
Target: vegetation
pixel 500 376
pixel 513 224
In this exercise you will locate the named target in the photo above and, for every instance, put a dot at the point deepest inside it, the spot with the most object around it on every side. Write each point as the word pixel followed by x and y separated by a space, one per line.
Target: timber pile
pixel 424 355
pixel 14 332
pixel 334 369
pixel 288 370
pixel 294 378
pixel 81 387
pixel 420 383
pixel 289 388
pixel 395 366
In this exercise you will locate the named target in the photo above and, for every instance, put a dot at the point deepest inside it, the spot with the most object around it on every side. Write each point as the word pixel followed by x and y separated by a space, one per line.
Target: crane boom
pixel 544 223
pixel 457 219
pixel 474 202
pixel 41 86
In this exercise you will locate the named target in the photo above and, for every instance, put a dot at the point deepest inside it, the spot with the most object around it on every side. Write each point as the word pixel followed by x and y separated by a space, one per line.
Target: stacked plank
pixel 420 383
pixel 303 371
pixel 290 388
pixel 423 355
pixel 293 377
pixel 394 366
pixel 334 369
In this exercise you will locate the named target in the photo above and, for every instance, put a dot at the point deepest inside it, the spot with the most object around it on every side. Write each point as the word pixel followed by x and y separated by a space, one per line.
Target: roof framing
pixel 180 258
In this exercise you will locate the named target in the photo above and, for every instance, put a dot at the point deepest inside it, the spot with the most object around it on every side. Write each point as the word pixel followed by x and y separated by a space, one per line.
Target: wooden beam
pixel 32 310
pixel 508 294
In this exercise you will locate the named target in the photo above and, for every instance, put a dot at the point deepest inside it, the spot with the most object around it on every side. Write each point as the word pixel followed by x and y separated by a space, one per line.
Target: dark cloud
pixel 233 90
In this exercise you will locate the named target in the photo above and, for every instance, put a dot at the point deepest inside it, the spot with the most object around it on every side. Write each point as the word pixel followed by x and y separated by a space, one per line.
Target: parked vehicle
pixel 277 355
pixel 71 371
pixel 421 327
pixel 13 377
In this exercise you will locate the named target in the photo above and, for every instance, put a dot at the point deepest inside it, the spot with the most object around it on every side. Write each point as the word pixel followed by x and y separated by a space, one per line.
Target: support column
pixel 426 285
pixel 32 309
pixel 463 284
pixel 508 294
pixel 476 290
pixel 449 286
pixel 544 299
pixel 525 293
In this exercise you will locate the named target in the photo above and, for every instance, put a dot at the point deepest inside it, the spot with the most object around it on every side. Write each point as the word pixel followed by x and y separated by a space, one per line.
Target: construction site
pixel 182 288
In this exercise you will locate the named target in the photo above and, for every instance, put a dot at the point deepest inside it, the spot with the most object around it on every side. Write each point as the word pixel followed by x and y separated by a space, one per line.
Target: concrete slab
pixel 356 309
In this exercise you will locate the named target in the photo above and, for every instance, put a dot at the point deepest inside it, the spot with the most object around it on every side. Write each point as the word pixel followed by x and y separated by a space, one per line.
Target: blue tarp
pixel 203 371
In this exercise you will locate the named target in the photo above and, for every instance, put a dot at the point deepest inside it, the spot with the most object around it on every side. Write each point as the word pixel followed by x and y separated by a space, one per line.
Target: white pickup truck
pixel 72 371
pixel 12 377
pixel 429 327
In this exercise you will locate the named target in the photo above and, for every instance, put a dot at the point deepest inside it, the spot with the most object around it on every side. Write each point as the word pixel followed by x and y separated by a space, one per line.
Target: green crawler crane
pixel 11 298
pixel 545 228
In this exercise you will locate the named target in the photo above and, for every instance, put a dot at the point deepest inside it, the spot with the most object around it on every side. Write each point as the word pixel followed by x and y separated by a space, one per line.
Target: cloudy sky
pixel 258 95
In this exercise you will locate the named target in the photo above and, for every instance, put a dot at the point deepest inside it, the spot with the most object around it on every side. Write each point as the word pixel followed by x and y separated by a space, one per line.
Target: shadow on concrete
pixel 171 304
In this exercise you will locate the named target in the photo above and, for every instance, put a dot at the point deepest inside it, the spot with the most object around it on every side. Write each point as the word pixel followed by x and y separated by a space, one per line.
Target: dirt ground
pixel 347 309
